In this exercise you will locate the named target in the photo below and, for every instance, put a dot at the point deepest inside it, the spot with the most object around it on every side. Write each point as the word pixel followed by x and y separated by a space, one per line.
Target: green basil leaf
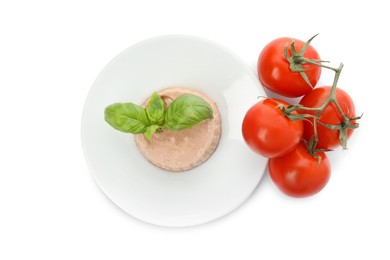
pixel 155 109
pixel 150 130
pixel 127 117
pixel 187 111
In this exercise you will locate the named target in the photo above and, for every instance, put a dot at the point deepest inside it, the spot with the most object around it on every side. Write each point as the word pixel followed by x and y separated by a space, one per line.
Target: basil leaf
pixel 150 130
pixel 127 117
pixel 155 109
pixel 187 111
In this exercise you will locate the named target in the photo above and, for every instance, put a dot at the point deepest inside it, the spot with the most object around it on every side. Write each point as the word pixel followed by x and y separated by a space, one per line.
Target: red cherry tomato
pixel 298 174
pixel 327 138
pixel 268 132
pixel 274 70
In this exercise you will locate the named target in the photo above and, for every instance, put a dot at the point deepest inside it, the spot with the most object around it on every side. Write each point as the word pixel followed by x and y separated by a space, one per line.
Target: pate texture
pixel 185 149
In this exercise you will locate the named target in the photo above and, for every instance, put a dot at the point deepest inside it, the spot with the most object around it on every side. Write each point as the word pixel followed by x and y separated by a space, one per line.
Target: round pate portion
pixel 185 149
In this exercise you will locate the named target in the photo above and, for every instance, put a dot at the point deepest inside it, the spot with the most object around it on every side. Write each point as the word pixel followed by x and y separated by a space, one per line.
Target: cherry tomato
pixel 274 70
pixel 299 174
pixel 268 132
pixel 327 138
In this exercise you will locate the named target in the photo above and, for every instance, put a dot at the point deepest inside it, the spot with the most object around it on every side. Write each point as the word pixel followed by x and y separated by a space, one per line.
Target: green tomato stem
pixel 344 125
pixel 319 63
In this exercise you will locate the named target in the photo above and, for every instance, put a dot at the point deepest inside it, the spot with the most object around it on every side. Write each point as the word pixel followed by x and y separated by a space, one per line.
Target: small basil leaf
pixel 150 130
pixel 155 109
pixel 127 117
pixel 187 111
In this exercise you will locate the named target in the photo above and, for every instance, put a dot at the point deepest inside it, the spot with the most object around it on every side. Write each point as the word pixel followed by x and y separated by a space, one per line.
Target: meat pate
pixel 185 149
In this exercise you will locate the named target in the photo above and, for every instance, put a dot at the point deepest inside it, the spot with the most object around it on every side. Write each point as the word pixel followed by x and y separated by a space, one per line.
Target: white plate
pixel 204 193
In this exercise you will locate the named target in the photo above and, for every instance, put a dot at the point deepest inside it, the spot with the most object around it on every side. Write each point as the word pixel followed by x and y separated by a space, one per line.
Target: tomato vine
pixel 296 60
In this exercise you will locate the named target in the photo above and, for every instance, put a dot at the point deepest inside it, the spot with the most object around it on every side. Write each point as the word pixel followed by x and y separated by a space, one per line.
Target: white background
pixel 50 207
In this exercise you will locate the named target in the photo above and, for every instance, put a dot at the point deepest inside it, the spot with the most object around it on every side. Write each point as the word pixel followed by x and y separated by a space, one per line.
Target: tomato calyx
pixel 343 128
pixel 288 112
pixel 297 59
pixel 312 150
